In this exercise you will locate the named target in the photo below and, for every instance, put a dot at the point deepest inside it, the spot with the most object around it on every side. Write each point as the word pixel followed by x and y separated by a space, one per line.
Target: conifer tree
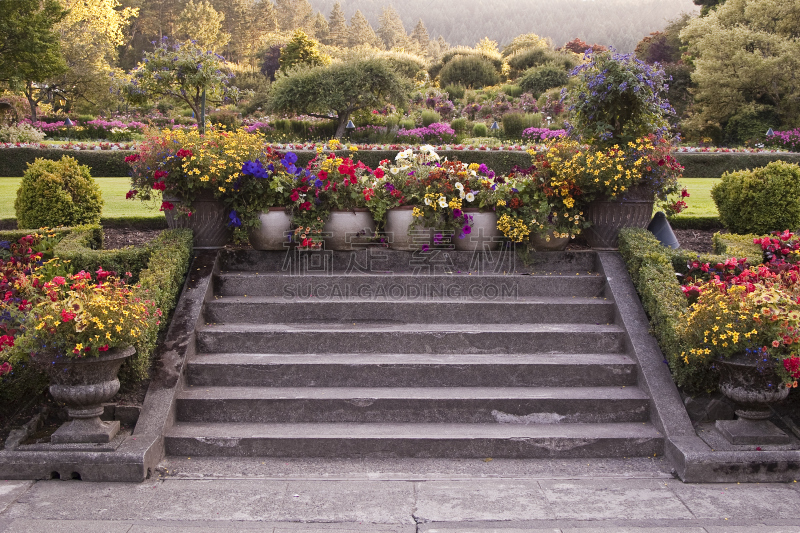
pixel 420 38
pixel 391 30
pixel 337 27
pixel 360 32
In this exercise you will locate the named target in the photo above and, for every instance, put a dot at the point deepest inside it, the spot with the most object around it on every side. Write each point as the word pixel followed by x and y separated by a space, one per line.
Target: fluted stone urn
pixel 84 384
pixel 753 389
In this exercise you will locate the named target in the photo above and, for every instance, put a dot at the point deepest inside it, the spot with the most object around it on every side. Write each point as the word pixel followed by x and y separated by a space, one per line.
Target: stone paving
pixel 401 496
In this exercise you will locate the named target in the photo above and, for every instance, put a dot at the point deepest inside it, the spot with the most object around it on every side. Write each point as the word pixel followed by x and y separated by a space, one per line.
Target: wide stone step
pixel 378 260
pixel 372 337
pixel 410 370
pixel 474 405
pixel 261 309
pixel 493 288
pixel 414 440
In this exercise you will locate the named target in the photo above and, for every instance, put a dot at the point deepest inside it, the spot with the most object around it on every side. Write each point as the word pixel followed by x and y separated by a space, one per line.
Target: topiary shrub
pixel 473 72
pixel 57 193
pixel 455 92
pixel 539 79
pixel 459 125
pixel 759 201
pixel 513 124
pixel 429 117
pixel 480 130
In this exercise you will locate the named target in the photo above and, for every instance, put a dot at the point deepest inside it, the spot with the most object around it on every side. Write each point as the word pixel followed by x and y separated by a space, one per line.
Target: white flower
pixel 442 202
pixel 461 194
pixel 404 154
pixel 394 170
pixel 459 186
pixel 470 197
pixel 427 201
pixel 472 172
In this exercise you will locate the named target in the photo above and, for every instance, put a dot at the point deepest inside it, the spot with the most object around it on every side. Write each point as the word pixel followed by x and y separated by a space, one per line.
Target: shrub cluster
pixel 760 201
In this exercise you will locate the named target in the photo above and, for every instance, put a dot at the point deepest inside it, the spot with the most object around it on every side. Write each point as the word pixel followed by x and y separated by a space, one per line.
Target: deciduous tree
pixel 337 90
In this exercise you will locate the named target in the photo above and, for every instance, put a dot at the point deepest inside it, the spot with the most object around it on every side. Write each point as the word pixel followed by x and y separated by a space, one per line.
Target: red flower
pixel 295 196
pixel 132 158
pixel 130 194
pixel 323 175
pixel 184 153
pixel 66 316
pixel 379 173
pixel 103 348
pixel 159 186
pixel 792 366
pixel 160 174
pixel 5 368
pixel 166 206
pixel 305 206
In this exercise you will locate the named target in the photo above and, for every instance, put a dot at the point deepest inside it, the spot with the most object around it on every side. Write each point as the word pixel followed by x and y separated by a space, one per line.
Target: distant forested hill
pixel 619 23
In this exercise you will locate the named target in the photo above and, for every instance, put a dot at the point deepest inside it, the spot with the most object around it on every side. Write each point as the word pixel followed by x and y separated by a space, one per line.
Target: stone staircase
pixel 307 355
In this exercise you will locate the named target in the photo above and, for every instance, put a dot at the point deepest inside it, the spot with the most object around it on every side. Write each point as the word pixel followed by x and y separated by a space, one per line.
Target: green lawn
pixel 700 202
pixel 113 190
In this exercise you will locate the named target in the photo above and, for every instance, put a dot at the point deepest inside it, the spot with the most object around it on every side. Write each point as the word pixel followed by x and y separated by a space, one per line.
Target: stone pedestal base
pixel 85 430
pixel 744 431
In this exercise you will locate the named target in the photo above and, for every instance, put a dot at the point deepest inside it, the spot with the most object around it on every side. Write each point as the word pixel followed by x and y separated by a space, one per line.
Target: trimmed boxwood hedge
pixel 108 163
pixel 159 267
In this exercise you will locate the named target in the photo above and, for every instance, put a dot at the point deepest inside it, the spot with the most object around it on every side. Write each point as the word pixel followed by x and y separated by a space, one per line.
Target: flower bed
pixel 765 296
pixel 35 267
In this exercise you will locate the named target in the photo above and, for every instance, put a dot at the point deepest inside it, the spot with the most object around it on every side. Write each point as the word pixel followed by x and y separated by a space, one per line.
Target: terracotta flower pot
pixel 483 235
pixel 271 233
pixel 344 229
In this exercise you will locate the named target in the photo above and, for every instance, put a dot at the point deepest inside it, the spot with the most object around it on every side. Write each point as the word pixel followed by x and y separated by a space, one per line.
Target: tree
pixel 360 32
pixel 707 5
pixel 746 55
pixel 341 89
pixel 487 45
pixel 90 36
pixel 421 39
pixel 201 23
pixel 183 72
pixel 578 46
pixel 30 51
pixel 391 30
pixel 525 41
pixel 271 61
pixel 301 50
pixel 294 15
pixel 337 27
pixel 319 27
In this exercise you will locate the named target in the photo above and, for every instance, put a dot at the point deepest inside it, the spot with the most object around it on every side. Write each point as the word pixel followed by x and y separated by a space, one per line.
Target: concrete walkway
pixel 401 496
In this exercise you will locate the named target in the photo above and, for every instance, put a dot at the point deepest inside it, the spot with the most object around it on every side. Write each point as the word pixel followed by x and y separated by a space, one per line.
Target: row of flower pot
pixel 343 229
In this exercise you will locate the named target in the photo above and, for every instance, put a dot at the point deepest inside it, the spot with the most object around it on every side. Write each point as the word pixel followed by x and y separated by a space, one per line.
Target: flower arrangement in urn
pixel 740 310
pixel 81 315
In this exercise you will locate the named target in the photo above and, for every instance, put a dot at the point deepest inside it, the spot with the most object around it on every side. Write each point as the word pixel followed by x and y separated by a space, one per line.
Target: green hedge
pixel 714 165
pixel 141 223
pixel 653 268
pixel 106 163
pixel 681 222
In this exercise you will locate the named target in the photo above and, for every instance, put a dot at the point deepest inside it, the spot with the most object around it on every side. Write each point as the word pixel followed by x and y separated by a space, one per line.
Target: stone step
pixel 414 440
pixel 372 337
pixel 382 260
pixel 269 309
pixel 410 370
pixel 491 288
pixel 472 405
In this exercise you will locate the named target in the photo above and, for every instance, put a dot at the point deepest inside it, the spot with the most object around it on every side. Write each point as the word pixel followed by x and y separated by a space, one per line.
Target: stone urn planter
pixel 541 243
pixel 484 235
pixel 753 389
pixel 271 234
pixel 84 384
pixel 608 217
pixel 208 222
pixel 345 230
pixel 397 228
